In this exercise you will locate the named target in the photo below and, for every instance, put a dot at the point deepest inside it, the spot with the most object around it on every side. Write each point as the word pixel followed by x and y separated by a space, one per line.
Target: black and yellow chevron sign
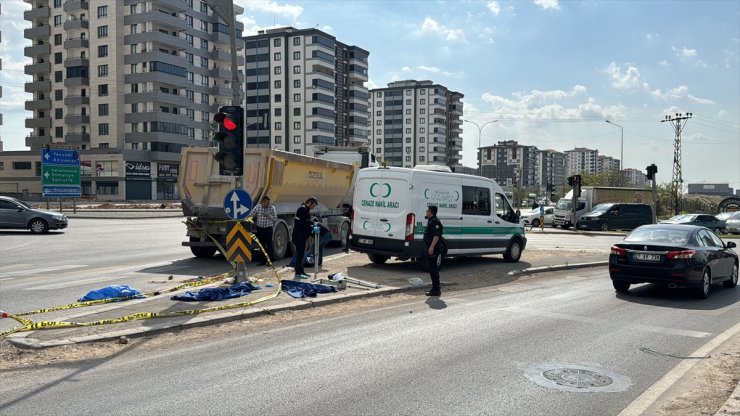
pixel 238 242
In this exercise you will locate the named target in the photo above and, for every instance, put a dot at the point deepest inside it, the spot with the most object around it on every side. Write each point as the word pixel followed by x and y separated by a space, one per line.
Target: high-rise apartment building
pixel 305 90
pixel 606 163
pixel 511 164
pixel 128 83
pixel 416 123
pixel 581 160
pixel 549 171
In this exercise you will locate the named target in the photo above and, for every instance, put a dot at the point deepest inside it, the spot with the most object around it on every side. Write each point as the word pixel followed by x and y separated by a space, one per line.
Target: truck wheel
pixel 279 242
pixel 605 226
pixel 377 259
pixel 344 235
pixel 202 252
pixel 514 252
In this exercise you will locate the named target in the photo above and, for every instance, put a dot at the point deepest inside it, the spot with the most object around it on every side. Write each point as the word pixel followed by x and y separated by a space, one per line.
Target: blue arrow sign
pixel 237 204
pixel 64 157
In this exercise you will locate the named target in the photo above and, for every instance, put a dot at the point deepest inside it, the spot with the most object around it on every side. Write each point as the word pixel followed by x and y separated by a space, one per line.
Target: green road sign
pixel 60 175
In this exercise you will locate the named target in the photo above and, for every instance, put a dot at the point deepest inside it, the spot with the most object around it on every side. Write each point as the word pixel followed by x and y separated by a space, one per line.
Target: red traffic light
pixel 225 120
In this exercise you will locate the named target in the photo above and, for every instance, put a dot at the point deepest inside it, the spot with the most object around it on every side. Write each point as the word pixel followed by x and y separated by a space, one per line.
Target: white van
pixel 388 215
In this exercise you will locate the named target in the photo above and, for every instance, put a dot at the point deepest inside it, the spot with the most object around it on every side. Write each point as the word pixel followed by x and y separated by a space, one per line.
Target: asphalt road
pixel 483 351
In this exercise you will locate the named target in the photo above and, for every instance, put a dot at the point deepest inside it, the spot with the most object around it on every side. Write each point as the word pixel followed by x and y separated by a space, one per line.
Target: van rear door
pixel 380 204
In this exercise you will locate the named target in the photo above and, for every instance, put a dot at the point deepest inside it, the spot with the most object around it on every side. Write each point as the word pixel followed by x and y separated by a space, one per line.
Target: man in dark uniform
pixel 302 228
pixel 432 237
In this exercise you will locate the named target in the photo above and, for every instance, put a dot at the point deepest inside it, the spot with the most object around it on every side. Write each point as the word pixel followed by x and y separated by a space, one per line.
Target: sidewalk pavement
pixel 353 265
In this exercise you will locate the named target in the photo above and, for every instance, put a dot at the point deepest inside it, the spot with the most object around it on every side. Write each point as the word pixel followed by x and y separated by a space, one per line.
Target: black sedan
pixel 673 255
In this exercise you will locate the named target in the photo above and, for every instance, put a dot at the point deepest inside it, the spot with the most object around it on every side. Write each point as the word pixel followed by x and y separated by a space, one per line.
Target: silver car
pixel 732 225
pixel 19 215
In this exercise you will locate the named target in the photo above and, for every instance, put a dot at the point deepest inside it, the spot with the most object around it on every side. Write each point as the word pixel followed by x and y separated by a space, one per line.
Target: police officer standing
pixel 432 237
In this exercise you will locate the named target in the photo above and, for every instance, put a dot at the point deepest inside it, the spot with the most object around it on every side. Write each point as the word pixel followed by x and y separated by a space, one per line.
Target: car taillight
pixel 619 251
pixel 410 219
pixel 683 254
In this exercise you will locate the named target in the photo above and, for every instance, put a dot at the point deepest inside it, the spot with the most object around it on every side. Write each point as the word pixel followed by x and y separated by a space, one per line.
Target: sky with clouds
pixel 550 72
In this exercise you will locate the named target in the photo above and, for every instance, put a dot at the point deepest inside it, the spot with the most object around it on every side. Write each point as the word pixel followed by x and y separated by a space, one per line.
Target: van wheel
pixel 513 252
pixel 279 242
pixel 605 227
pixel 377 259
pixel 344 235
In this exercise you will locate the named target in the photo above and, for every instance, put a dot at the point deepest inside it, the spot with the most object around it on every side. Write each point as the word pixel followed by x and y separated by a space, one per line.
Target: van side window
pixel 504 209
pixel 476 201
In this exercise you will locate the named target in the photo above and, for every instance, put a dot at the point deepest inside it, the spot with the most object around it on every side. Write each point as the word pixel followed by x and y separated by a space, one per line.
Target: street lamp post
pixel 621 156
pixel 480 152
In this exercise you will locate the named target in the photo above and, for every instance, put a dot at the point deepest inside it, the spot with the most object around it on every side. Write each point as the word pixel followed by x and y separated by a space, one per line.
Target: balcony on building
pixel 219 54
pixel 222 90
pixel 76 61
pixel 77 119
pixel 168 20
pixel 76 43
pixel 76 82
pixel 37 32
pixel 33 105
pixel 358 73
pixel 171 5
pixel 157 37
pixel 76 23
pixel 76 100
pixel 37 50
pixel 76 5
pixel 220 72
pixel 37 13
pixel 317 59
pixel 165 137
pixel 77 137
pixel 39 68
pixel 38 86
pixel 456 109
pixel 35 142
pixel 38 123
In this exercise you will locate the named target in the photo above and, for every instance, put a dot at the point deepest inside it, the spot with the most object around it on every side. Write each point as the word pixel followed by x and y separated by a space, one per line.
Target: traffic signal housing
pixel 651 171
pixel 230 140
pixel 570 180
pixel 577 185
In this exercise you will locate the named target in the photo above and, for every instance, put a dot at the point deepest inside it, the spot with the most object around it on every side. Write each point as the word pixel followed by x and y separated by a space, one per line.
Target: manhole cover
pixel 577 377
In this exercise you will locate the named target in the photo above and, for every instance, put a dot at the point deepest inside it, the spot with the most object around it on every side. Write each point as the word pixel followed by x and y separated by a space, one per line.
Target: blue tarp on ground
pixel 218 293
pixel 112 291
pixel 303 289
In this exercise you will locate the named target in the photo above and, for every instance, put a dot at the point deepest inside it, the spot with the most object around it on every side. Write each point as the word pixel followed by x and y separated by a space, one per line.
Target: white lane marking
pixel 608 323
pixel 43 270
pixel 649 396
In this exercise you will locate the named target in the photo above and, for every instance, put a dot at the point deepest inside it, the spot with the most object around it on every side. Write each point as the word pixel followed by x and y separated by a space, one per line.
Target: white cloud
pixel 627 81
pixel 652 36
pixel 684 53
pixel 431 26
pixel 494 8
pixel 664 63
pixel 700 100
pixel 268 6
pixel 548 4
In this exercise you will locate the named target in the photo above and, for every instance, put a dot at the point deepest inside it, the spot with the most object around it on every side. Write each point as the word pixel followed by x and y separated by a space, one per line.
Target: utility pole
pixel 678 122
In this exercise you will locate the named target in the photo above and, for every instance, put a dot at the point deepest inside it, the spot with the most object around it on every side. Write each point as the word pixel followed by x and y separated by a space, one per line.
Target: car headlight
pixel 59 217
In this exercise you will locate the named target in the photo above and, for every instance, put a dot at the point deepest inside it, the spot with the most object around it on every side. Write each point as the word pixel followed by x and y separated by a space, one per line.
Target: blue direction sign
pixel 60 173
pixel 237 204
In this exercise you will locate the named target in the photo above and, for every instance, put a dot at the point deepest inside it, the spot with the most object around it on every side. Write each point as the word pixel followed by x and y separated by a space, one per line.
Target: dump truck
pixel 287 178
pixel 595 195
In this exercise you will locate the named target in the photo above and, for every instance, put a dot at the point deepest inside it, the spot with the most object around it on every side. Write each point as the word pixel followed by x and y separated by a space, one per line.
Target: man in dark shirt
pixel 432 237
pixel 302 228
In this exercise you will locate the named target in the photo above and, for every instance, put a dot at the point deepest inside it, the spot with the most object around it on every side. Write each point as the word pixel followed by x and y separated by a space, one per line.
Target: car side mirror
pixel 730 244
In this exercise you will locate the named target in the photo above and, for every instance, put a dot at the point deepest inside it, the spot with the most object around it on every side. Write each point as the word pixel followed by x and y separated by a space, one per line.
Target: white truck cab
pixel 390 202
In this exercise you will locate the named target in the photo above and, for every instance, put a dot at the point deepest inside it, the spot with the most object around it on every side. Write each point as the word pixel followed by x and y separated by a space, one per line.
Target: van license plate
pixel 365 241
pixel 646 257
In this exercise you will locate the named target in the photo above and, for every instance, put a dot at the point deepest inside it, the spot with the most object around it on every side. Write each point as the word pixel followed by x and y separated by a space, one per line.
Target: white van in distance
pixel 388 214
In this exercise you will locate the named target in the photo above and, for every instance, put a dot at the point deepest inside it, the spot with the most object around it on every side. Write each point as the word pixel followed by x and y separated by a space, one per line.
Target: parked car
pixel 616 217
pixel 732 225
pixel 703 220
pixel 674 255
pixel 19 215
pixel 532 218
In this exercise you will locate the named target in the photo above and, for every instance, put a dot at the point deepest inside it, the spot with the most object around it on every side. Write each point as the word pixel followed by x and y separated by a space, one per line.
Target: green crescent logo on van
pixel 374 193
